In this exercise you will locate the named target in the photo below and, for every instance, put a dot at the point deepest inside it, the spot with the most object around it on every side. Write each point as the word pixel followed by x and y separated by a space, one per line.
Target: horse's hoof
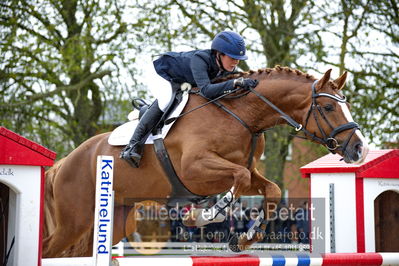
pixel 233 244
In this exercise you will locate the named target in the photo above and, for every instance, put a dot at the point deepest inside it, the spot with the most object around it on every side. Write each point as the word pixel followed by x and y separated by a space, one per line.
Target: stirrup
pixel 133 158
pixel 133 163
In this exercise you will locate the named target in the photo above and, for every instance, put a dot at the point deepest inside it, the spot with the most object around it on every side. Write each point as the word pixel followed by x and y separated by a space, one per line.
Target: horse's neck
pixel 290 96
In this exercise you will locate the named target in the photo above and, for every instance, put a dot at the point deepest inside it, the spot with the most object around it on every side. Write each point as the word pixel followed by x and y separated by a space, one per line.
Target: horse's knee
pixel 276 191
pixel 242 179
pixel 273 193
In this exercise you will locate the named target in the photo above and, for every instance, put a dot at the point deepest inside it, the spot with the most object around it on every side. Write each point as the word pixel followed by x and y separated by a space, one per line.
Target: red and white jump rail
pixel 341 259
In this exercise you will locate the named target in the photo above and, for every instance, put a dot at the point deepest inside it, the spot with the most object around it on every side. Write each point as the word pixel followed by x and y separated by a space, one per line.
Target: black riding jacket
pixel 196 67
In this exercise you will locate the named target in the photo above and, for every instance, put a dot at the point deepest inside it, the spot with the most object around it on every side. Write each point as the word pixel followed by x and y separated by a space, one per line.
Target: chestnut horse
pixel 209 150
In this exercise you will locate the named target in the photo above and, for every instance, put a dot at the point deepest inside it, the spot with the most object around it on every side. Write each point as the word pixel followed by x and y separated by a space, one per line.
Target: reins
pixel 172 119
pixel 284 116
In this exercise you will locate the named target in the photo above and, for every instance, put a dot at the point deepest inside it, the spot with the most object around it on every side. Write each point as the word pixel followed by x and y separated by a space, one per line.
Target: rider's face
pixel 229 63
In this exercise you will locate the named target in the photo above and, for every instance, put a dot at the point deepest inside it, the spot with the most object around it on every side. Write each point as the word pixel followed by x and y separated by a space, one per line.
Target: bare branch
pixel 51 29
pixel 59 89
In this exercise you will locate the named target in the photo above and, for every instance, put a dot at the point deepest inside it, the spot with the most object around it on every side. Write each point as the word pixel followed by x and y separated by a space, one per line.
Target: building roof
pixel 378 164
pixel 17 150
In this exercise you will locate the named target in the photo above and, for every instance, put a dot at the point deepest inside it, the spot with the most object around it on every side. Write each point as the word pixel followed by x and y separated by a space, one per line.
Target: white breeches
pixel 160 88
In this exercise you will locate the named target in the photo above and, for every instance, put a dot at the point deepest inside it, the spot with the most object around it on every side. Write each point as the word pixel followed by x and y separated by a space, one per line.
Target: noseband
pixel 328 140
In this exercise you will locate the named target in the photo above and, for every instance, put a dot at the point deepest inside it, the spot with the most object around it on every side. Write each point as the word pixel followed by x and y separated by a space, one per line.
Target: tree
pixel 377 83
pixel 56 63
pixel 366 39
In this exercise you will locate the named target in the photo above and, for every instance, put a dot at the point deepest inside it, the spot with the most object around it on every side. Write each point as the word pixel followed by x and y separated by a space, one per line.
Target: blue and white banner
pixel 104 211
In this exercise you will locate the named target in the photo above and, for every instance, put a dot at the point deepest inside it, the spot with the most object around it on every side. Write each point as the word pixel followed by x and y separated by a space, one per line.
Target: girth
pixel 180 193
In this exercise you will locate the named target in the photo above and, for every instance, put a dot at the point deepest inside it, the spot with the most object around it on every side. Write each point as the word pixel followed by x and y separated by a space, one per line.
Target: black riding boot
pixel 133 151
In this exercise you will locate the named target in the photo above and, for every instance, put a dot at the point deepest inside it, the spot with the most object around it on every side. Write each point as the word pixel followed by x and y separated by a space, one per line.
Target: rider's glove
pixel 245 83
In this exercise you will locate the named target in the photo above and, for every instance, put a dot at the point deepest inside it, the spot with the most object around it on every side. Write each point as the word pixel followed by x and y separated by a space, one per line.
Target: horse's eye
pixel 328 108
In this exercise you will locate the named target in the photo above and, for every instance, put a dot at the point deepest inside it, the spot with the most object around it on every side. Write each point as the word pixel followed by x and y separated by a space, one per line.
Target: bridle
pixel 328 140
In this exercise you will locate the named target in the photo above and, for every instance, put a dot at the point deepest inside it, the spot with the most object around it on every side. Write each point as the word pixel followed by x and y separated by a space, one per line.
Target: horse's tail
pixel 49 209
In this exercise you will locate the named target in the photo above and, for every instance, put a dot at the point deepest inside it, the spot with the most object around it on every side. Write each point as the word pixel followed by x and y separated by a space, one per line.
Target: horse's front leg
pixel 216 169
pixel 272 193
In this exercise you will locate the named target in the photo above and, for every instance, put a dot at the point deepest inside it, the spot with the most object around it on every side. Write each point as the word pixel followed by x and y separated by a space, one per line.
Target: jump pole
pixel 103 220
pixel 338 259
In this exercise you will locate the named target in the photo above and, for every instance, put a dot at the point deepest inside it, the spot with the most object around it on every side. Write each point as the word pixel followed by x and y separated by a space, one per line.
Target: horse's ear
pixel 323 80
pixel 341 80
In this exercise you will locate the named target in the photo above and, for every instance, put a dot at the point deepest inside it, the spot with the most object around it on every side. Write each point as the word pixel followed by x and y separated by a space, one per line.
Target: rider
pixel 198 68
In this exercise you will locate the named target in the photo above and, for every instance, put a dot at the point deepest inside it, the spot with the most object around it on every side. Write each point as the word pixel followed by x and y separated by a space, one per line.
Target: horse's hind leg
pixel 260 186
pixel 74 215
pixel 69 230
pixel 64 236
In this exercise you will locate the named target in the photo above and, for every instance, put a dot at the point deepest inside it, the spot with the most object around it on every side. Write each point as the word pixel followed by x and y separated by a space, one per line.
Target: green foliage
pixel 60 62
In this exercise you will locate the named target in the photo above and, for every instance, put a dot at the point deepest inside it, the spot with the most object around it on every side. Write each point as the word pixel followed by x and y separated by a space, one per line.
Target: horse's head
pixel 329 121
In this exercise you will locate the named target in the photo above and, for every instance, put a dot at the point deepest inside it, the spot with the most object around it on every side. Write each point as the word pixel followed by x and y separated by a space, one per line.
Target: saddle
pixel 121 135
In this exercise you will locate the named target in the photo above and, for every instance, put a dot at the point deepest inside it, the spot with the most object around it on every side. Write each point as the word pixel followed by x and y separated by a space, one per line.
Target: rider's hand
pixel 245 83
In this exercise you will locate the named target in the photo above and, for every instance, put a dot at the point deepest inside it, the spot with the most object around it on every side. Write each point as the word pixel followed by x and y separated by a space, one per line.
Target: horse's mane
pixel 269 71
pixel 265 71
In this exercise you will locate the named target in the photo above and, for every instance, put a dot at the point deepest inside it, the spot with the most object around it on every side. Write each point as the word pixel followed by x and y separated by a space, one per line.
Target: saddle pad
pixel 121 135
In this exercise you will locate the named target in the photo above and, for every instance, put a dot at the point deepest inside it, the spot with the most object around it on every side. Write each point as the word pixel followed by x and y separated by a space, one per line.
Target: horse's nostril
pixel 358 146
